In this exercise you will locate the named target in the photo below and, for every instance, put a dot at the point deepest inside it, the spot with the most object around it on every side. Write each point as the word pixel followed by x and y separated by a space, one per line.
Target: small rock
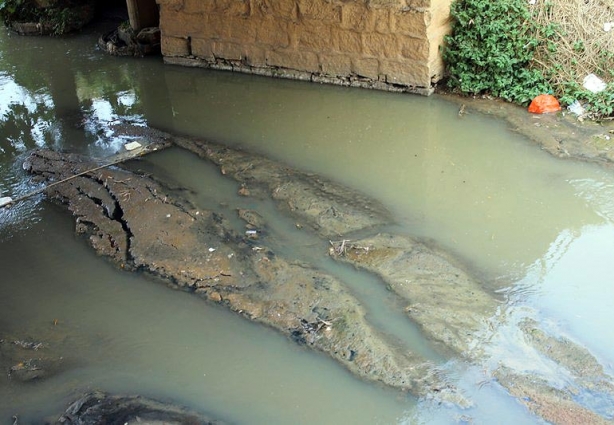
pixel 215 297
pixel 5 200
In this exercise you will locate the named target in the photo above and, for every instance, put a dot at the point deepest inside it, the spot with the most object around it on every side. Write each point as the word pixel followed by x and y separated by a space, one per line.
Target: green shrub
pixel 490 50
pixel 598 105
pixel 58 14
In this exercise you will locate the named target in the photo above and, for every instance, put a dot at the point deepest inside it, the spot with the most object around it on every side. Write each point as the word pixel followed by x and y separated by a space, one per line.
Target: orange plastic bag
pixel 544 103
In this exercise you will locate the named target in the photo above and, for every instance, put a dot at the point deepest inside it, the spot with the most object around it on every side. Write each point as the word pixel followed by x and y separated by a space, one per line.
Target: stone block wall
pixel 383 44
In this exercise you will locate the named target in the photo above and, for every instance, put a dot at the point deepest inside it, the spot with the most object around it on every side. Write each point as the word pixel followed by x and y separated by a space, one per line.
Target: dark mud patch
pixel 98 408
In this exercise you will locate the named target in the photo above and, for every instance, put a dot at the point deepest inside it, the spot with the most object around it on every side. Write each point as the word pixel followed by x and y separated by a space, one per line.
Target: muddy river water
pixel 538 232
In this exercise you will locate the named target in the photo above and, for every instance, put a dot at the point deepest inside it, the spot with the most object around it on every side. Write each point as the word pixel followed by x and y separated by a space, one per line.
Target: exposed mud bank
pixel 561 134
pixel 328 208
pixel 141 225
pixel 134 221
pixel 448 304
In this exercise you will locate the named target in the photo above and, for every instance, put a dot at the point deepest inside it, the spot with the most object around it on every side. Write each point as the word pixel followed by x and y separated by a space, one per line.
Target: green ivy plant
pixel 13 10
pixel 58 14
pixel 490 50
pixel 597 105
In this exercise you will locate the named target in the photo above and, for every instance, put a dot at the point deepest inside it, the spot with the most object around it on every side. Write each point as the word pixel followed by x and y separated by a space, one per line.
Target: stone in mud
pixel 195 249
pixel 28 361
pixel 99 408
pixel 448 304
pixel 325 206
pixel 252 219
pixel 35 369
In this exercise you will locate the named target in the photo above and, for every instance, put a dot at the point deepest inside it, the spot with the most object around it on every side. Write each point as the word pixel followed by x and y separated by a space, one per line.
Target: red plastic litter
pixel 543 104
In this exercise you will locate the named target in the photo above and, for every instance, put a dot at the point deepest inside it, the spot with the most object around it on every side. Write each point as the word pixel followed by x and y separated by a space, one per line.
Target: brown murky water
pixel 536 228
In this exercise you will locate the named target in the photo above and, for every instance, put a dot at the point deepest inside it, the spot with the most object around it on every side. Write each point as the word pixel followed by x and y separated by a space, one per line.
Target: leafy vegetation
pixel 59 16
pixel 504 49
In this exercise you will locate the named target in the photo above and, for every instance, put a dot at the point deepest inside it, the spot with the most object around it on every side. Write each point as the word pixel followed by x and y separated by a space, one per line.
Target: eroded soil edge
pixel 140 225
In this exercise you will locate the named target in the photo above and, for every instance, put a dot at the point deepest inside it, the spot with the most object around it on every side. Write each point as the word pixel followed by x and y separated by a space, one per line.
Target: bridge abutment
pixel 381 44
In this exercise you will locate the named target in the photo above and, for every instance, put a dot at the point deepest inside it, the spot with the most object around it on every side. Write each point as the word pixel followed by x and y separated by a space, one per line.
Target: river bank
pixel 561 134
pixel 140 225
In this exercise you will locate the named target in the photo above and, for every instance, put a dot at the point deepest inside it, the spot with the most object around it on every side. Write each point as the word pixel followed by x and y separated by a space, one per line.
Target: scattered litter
pixel 29 345
pixel 168 216
pixel 211 249
pixel 603 137
pixel 5 200
pixel 532 1
pixel 544 103
pixel 132 146
pixel 593 83
pixel 608 26
pixel 251 232
pixel 576 108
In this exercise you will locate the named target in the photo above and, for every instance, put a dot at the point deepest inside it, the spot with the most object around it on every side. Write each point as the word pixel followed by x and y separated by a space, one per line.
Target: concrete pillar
pixel 143 14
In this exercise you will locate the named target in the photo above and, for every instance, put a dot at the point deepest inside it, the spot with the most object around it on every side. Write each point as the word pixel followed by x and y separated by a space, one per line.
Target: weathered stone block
pixel 232 7
pixel 228 51
pixel 420 4
pixel 414 48
pixel 405 72
pixel 273 33
pixel 380 21
pixel 386 3
pixel 175 46
pixel 346 41
pixel 354 16
pixel 302 61
pixel 254 56
pixel 202 48
pixel 365 67
pixel 244 30
pixel 216 27
pixel 315 37
pixel 380 45
pixel 284 9
pixel 410 23
pixel 320 11
pixel 198 6
pixel 178 24
pixel 174 5
pixel 335 65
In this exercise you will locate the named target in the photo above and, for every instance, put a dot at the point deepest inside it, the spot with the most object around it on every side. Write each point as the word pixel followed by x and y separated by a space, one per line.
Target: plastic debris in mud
pixel 544 103
pixel 593 83
pixel 576 108
pixel 132 146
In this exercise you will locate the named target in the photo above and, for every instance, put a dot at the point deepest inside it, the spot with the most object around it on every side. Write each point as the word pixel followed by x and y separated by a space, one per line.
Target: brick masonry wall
pixel 382 44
